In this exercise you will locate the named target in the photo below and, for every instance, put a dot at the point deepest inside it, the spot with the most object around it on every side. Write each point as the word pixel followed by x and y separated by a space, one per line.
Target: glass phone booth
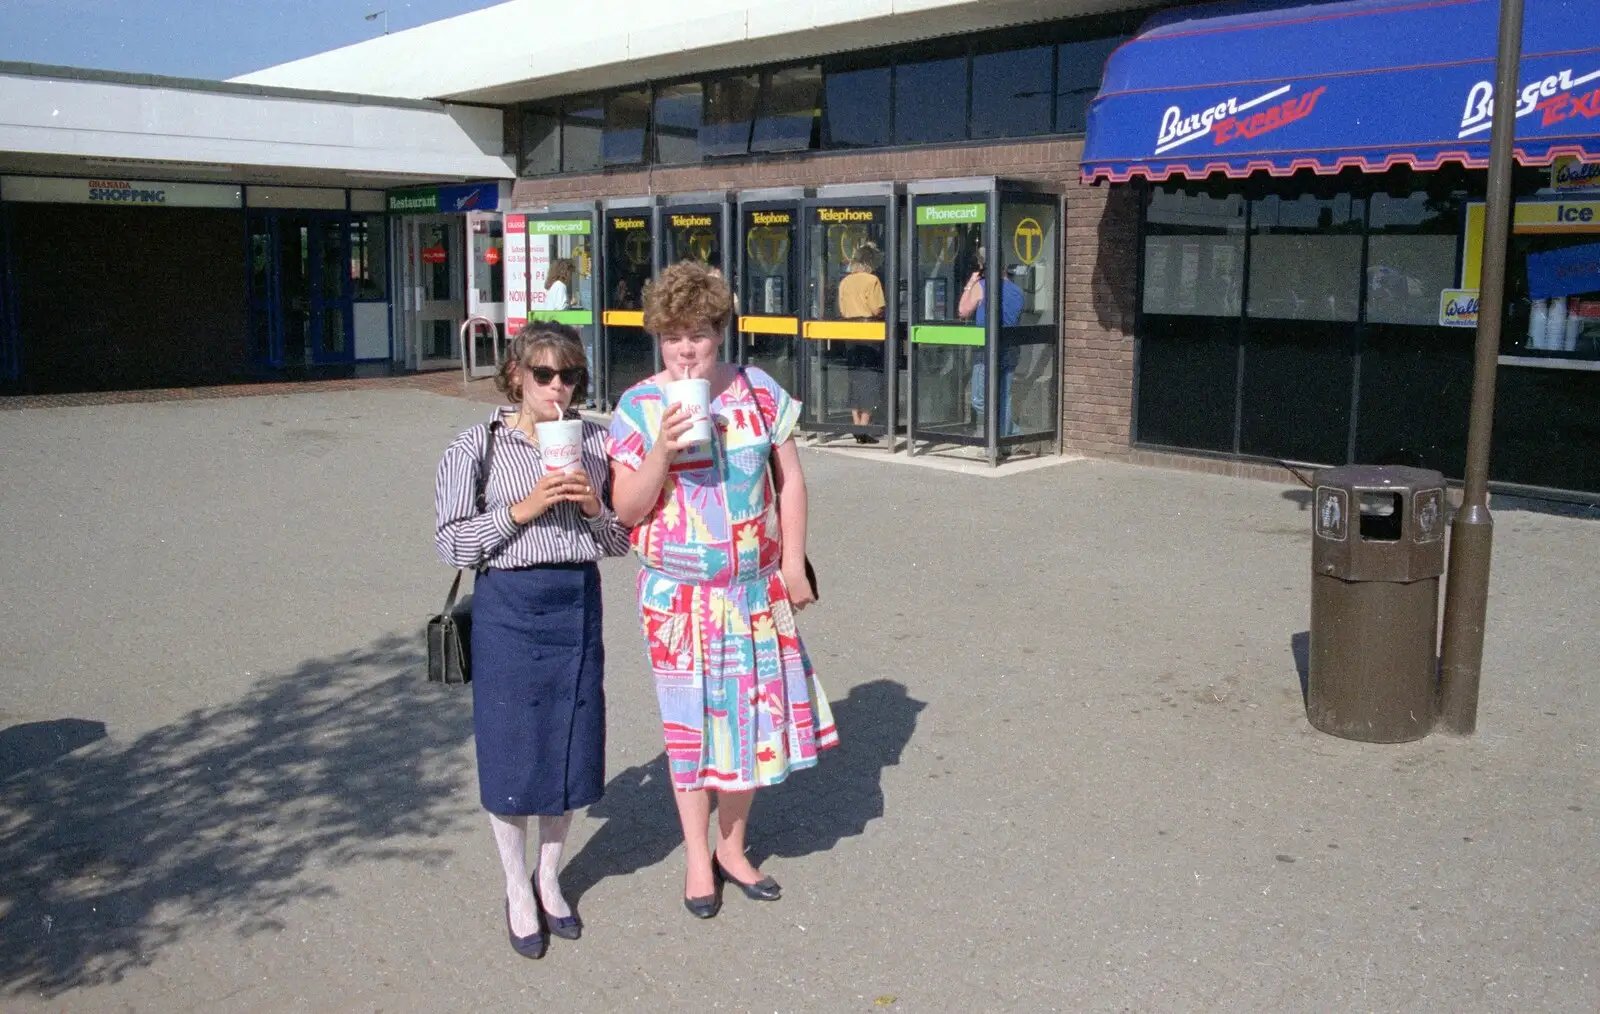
pixel 850 351
pixel 984 371
pixel 698 227
pixel 561 277
pixel 628 354
pixel 768 268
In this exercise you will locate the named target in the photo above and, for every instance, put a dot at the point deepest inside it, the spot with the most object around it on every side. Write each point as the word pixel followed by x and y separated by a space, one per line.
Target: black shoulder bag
pixel 450 632
pixel 772 475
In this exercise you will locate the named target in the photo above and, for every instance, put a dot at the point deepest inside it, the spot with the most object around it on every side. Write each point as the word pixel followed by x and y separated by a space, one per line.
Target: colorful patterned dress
pixel 740 704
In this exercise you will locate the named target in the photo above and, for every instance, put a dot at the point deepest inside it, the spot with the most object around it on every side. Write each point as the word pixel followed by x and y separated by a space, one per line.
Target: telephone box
pixel 985 295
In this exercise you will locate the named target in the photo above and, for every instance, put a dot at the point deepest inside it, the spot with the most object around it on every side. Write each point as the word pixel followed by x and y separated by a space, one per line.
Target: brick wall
pixel 1100 259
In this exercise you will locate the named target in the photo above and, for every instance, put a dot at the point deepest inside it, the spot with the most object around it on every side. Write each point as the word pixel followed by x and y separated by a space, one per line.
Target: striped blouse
pixel 560 535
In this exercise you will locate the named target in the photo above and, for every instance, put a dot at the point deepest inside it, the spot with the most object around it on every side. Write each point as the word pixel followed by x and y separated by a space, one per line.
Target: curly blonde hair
pixel 528 347
pixel 686 296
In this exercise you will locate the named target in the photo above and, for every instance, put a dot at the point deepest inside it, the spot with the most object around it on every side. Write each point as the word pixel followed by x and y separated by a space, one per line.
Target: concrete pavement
pixel 1076 772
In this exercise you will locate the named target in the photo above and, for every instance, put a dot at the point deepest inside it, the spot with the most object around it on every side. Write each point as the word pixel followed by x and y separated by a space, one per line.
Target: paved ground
pixel 1076 774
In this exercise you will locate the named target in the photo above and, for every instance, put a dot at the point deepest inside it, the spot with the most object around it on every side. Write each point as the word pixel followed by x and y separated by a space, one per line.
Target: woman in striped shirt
pixel 537 658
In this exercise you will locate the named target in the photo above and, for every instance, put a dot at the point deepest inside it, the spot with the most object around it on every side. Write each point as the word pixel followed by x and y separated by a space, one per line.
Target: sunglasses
pixel 544 375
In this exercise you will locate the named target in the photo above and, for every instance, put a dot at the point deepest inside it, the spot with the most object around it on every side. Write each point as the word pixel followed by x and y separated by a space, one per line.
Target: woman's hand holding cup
pixel 554 488
pixel 676 422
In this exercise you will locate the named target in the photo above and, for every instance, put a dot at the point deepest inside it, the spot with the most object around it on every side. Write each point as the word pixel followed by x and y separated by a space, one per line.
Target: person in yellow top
pixel 861 298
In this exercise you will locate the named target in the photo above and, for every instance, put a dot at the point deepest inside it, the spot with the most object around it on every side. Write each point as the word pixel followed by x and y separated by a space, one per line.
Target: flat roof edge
pixel 62 73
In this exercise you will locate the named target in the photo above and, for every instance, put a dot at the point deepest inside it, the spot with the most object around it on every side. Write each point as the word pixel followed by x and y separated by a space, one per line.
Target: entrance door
pixel 486 291
pixel 300 289
pixel 434 246
pixel 10 360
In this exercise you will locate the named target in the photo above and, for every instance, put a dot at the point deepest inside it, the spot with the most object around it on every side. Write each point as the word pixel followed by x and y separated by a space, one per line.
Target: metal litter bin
pixel 1377 553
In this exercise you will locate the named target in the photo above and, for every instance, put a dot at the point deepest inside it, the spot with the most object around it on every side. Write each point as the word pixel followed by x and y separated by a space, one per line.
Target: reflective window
pixel 1079 66
pixel 787 118
pixel 540 142
pixel 930 101
pixel 627 119
pixel 845 276
pixel 1030 243
pixel 769 259
pixel 730 106
pixel 369 255
pixel 1305 257
pixel 1193 253
pixel 582 126
pixel 692 236
pixel 1411 257
pixel 677 123
pixel 627 258
pixel 856 108
pixel 1011 93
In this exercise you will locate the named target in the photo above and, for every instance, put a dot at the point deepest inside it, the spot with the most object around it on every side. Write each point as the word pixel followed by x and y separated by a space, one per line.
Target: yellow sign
pixel 768 245
pixel 848 239
pixel 1458 308
pixel 700 244
pixel 846 215
pixel 1572 173
pixel 1529 218
pixel 624 224
pixel 936 246
pixel 690 221
pixel 770 217
pixel 1027 239
pixel 636 247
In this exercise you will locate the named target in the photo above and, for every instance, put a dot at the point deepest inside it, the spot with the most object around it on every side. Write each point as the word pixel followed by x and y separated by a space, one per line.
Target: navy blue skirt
pixel 538 694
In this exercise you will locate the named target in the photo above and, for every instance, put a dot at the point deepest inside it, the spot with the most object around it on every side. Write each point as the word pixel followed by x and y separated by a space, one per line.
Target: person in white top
pixel 558 285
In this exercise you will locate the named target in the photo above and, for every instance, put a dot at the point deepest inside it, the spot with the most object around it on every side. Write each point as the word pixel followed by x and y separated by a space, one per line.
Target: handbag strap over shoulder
pixel 479 500
pixel 772 452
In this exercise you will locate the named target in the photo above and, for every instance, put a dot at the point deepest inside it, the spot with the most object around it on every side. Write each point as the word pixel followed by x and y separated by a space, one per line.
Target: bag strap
pixel 772 452
pixel 479 501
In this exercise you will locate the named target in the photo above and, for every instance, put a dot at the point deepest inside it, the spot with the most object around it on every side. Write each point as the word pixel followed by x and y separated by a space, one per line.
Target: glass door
pixel 486 290
pixel 769 298
pixel 435 248
pixel 1028 387
pixel 630 354
pixel 950 281
pixel 848 345
pixel 329 240
pixel 10 340
pixel 266 333
pixel 300 289
pixel 699 232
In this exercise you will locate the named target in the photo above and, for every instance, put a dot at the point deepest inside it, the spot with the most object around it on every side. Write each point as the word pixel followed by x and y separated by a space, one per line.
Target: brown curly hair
pixel 686 296
pixel 528 347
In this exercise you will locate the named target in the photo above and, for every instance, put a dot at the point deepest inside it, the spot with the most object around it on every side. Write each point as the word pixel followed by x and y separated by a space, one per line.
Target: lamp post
pixel 1466 600
pixel 384 13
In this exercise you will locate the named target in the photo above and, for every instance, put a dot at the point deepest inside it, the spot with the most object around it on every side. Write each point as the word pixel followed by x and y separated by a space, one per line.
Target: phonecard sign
pixel 1333 513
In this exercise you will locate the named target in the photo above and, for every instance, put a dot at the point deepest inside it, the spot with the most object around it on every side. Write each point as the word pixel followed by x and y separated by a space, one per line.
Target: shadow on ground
pixel 217 821
pixel 810 812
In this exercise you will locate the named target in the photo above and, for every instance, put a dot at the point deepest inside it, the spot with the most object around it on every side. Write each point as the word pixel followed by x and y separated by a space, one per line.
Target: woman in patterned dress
pixel 724 575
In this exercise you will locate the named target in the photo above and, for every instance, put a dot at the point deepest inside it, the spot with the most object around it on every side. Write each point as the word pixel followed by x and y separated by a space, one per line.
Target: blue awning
pixel 1241 87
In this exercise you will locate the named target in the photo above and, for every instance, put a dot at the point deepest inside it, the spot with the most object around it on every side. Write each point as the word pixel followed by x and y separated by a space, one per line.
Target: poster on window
pixel 516 268
pixel 538 269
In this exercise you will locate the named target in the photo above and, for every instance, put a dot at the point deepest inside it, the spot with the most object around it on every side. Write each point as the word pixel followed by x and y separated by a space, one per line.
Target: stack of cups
pixel 694 395
pixel 560 445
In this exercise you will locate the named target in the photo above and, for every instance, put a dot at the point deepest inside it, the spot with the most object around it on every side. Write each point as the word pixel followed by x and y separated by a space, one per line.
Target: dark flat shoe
pixel 866 438
pixel 530 946
pixel 765 889
pixel 704 908
pixel 567 927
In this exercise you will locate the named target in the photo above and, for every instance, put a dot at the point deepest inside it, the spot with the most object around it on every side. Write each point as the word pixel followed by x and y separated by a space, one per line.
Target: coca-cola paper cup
pixel 560 444
pixel 695 395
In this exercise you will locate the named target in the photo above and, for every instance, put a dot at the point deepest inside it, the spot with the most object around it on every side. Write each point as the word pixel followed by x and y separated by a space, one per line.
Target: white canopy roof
pixel 530 49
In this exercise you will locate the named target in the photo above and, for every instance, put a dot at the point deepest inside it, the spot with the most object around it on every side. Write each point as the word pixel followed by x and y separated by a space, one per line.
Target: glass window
pixel 540 142
pixel 1305 257
pixel 1079 66
pixel 769 262
pixel 582 126
pixel 677 123
pixel 1011 93
pixel 856 111
pixel 787 118
pixel 1029 244
pixel 1193 253
pixel 369 255
pixel 930 101
pixel 946 256
pixel 846 241
pixel 730 106
pixel 1411 257
pixel 627 119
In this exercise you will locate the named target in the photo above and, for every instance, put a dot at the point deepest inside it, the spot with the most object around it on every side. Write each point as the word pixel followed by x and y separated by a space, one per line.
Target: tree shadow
pixel 211 823
pixel 810 812
pixel 34 744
